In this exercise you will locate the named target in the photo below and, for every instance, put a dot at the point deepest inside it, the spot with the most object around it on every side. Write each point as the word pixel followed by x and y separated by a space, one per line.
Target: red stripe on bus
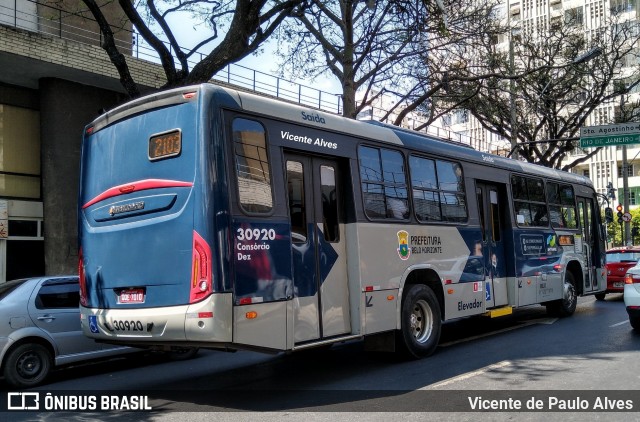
pixel 137 186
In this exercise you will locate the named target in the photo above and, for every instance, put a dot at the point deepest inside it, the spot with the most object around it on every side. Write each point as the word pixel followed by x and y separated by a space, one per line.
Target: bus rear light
pixel 205 314
pixel 83 281
pixel 244 301
pixel 251 315
pixel 189 95
pixel 557 268
pixel 201 274
pixel 89 130
pixel 127 188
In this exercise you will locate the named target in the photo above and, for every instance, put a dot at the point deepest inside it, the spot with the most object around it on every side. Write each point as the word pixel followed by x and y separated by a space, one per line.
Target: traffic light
pixel 619 208
pixel 608 215
pixel 611 192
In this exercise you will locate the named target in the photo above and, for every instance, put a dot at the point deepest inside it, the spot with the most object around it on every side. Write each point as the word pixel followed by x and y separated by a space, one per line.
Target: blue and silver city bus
pixel 216 218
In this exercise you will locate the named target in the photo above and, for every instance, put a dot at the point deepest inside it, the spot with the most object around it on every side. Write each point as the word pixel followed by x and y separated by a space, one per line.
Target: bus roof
pixel 308 116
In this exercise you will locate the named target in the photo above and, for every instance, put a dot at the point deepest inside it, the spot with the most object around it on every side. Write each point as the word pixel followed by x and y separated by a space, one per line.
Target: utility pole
pixel 625 181
pixel 625 190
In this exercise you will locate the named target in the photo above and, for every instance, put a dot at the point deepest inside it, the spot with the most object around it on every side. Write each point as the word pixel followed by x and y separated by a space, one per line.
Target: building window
pixel 630 171
pixel 585 173
pixel 20 164
pixel 621 6
pixel 574 16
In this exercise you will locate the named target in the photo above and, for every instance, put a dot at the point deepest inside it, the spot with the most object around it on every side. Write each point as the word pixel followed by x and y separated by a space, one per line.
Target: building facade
pixel 54 79
pixel 606 166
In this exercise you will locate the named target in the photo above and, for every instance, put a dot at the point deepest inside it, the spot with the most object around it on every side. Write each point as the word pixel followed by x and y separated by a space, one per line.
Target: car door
pixel 54 307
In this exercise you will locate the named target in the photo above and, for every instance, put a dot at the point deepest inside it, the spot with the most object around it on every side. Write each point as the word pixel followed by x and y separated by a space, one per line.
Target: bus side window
pixel 562 207
pixel 252 166
pixel 529 201
pixel 384 186
pixel 297 208
pixel 329 204
pixel 438 190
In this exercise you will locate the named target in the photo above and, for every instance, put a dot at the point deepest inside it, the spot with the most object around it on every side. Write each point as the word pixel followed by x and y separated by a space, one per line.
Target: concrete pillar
pixel 65 108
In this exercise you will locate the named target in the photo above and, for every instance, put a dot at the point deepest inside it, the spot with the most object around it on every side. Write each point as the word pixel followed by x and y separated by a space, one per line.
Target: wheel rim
pixel 421 321
pixel 29 365
pixel 569 295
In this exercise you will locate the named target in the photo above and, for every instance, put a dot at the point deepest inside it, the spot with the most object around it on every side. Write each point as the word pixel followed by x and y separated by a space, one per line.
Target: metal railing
pixel 49 20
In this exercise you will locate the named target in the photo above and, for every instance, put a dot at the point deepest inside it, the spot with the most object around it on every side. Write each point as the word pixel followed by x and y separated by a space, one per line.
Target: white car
pixel 632 295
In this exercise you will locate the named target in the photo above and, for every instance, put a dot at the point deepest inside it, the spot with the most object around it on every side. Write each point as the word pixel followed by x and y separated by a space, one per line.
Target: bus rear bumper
pixel 206 321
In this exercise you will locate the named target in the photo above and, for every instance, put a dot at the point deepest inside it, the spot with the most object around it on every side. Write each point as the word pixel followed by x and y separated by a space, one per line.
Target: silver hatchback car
pixel 40 329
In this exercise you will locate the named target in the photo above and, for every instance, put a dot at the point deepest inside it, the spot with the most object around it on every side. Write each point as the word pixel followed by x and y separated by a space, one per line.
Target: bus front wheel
pixel 567 305
pixel 420 322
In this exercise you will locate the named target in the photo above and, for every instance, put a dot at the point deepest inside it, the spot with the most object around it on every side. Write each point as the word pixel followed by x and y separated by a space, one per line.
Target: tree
pixel 359 42
pixel 445 74
pixel 568 74
pixel 394 49
pixel 248 23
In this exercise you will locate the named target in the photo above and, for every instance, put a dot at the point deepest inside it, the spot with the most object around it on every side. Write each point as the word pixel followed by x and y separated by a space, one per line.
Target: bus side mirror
pixel 608 215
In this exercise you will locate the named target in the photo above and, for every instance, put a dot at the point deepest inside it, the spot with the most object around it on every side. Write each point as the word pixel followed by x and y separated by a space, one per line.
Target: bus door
pixel 321 297
pixel 493 248
pixel 586 215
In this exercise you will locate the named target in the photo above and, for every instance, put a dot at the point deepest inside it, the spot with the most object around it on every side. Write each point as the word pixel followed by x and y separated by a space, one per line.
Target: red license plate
pixel 131 296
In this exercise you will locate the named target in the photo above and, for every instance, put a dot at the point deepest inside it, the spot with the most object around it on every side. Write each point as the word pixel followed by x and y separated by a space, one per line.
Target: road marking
pixel 626 321
pixel 547 321
pixel 468 375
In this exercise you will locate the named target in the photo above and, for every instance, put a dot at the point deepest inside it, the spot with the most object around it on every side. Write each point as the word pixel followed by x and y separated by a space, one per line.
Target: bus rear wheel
pixel 567 305
pixel 419 333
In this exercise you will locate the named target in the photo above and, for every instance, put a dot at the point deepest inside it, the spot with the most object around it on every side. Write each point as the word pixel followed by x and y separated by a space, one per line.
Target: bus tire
pixel 600 296
pixel 635 323
pixel 420 323
pixel 567 305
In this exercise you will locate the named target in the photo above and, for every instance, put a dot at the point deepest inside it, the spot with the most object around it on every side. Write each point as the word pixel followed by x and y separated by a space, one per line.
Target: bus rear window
pixel 252 166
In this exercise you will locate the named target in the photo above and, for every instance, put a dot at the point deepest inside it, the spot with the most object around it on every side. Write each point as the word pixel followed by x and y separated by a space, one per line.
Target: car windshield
pixel 10 286
pixel 623 256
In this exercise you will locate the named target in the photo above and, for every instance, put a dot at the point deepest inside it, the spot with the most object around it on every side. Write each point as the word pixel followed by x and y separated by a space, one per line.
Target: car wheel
pixel 567 305
pixel 635 323
pixel 420 322
pixel 27 365
pixel 600 296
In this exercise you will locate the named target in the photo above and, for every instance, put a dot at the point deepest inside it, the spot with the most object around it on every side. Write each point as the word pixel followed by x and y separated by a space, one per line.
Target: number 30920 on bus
pixel 222 219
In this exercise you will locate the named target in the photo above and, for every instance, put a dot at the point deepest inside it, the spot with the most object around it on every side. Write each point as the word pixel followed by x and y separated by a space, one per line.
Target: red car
pixel 619 260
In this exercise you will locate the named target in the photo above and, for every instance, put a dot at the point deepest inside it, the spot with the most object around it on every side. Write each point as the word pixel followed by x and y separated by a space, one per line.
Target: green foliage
pixel 615 230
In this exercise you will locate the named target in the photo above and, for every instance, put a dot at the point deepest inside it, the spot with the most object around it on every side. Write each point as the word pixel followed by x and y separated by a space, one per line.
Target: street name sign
pixel 608 135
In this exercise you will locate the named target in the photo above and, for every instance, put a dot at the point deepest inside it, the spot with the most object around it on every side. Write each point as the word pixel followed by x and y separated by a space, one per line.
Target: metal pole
pixel 625 189
pixel 512 93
